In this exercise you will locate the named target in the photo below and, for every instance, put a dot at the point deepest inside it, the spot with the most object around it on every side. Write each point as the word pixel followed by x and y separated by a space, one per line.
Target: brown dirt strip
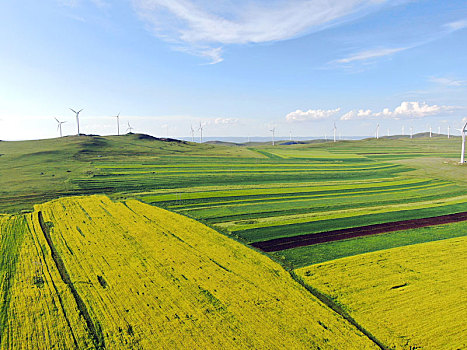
pixel 278 244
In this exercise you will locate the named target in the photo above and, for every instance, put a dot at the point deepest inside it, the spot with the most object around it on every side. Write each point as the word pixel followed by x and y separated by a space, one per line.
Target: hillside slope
pixel 86 272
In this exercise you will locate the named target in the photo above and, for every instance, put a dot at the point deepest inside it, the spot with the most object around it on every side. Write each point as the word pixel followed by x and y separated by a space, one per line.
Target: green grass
pixel 304 256
pixel 254 193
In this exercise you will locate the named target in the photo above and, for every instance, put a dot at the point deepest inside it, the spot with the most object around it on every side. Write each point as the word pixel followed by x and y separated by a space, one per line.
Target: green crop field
pixel 250 193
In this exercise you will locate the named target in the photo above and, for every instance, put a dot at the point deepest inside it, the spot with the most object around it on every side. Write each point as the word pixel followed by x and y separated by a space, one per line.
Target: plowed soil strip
pixel 278 244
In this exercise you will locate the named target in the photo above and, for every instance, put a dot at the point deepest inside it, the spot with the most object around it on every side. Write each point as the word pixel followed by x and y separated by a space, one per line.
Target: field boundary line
pixel 337 308
pixel 95 332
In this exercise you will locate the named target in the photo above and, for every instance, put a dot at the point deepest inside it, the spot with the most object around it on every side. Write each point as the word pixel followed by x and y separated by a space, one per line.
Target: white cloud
pixel 202 23
pixel 311 114
pixel 457 25
pixel 369 54
pixel 361 114
pixel 448 81
pixel 226 121
pixel 74 3
pixel 406 110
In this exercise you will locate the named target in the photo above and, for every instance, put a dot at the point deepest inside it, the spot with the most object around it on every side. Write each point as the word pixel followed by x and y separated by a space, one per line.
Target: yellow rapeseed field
pixel 412 297
pixel 91 273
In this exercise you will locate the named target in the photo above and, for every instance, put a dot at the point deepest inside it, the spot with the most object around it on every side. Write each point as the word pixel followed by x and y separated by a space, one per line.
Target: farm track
pixel 278 244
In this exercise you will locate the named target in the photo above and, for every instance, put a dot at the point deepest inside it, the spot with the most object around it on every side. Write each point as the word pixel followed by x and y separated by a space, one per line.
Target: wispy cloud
pixel 406 110
pixel 206 24
pixel 311 114
pixel 226 121
pixel 370 54
pixel 363 56
pixel 456 25
pixel 74 3
pixel 448 81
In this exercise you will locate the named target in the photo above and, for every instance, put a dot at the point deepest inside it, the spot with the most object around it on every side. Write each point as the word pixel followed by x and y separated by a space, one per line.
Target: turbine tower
pixel 59 126
pixel 411 132
pixel 463 130
pixel 449 131
pixel 77 117
pixel 430 131
pixel 290 135
pixel 200 129
pixel 273 130
pixel 439 130
pixel 377 131
pixel 335 130
pixel 192 133
pixel 129 129
pixel 118 123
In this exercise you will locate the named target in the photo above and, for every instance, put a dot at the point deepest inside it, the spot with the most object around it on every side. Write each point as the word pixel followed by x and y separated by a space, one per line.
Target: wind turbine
pixel 449 131
pixel 335 129
pixel 129 129
pixel 273 130
pixel 377 131
pixel 439 130
pixel 59 126
pixel 430 131
pixel 77 117
pixel 463 143
pixel 290 135
pixel 192 133
pixel 388 132
pixel 200 129
pixel 411 132
pixel 118 123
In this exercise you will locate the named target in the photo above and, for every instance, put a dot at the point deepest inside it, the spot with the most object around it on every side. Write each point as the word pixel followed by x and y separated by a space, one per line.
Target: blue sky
pixel 238 67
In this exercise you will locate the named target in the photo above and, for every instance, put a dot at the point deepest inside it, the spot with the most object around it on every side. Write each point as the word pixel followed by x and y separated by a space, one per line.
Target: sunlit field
pixel 84 272
pixel 410 297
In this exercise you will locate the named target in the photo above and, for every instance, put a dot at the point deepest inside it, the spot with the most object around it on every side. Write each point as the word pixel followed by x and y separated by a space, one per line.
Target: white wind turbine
pixel 59 126
pixel 118 123
pixel 449 131
pixel 411 132
pixel 388 132
pixel 290 135
pixel 200 129
pixel 273 130
pixel 335 130
pixel 430 131
pixel 439 130
pixel 192 133
pixel 77 117
pixel 377 131
pixel 463 130
pixel 129 129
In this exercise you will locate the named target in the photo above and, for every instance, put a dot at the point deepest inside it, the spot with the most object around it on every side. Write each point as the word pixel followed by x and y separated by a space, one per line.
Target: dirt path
pixel 277 244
